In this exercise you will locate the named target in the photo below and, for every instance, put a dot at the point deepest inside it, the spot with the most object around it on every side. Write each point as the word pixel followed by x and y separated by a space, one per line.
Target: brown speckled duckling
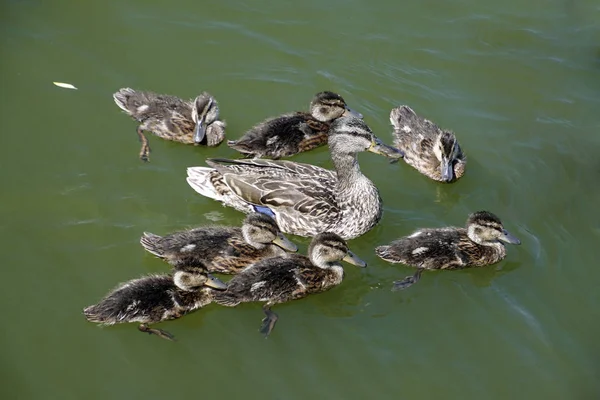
pixel 293 133
pixel 477 245
pixel 278 280
pixel 430 150
pixel 223 249
pixel 171 118
pixel 156 298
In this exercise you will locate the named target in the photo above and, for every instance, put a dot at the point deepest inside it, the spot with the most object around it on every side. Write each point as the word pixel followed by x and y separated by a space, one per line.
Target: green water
pixel 519 82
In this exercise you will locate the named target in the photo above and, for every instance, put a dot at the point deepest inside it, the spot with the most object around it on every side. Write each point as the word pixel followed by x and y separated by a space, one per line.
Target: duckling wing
pixel 180 124
pixel 273 280
pixel 427 248
pixel 140 300
pixel 207 244
pixel 282 136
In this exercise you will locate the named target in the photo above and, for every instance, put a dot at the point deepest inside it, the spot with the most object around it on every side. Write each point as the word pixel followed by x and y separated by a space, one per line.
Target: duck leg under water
pixel 268 322
pixel 145 150
pixel 158 332
pixel 408 281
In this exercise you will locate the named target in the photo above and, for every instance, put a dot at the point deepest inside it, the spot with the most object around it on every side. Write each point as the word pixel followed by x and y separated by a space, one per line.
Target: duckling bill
pixel 278 280
pixel 427 148
pixel 222 249
pixel 186 121
pixel 480 243
pixel 294 133
pixel 155 298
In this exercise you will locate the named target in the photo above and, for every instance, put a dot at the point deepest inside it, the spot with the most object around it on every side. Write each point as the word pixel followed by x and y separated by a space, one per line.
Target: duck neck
pixel 347 169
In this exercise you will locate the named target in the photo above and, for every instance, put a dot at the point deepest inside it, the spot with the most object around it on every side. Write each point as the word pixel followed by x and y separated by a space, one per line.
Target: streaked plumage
pixel 305 199
pixel 156 298
pixel 278 280
pixel 186 121
pixel 432 151
pixel 293 133
pixel 479 244
pixel 222 249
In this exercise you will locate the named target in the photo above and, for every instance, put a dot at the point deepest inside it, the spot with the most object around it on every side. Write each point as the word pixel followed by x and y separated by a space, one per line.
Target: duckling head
pixel 205 111
pixel 350 135
pixel 447 151
pixel 261 230
pixel 193 276
pixel 327 249
pixel 327 106
pixel 485 228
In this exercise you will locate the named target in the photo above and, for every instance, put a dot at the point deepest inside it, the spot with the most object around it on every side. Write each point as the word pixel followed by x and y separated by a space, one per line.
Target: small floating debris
pixel 65 85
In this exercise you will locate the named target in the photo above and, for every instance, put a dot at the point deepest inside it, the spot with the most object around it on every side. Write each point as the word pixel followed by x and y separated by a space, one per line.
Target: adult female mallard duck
pixel 293 133
pixel 430 150
pixel 278 280
pixel 156 298
pixel 477 245
pixel 169 117
pixel 223 249
pixel 304 199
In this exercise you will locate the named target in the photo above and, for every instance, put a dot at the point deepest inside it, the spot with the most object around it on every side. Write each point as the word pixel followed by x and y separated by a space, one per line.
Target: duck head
pixel 485 228
pixel 327 106
pixel 260 230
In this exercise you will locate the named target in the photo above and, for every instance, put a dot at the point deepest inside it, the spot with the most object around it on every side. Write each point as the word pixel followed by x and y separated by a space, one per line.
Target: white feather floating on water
pixel 65 85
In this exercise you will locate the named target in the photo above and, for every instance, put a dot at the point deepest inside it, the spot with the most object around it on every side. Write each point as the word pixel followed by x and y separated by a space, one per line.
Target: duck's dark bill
pixel 199 132
pixel 378 147
pixel 508 238
pixel 447 171
pixel 350 111
pixel 285 243
pixel 353 259
pixel 215 283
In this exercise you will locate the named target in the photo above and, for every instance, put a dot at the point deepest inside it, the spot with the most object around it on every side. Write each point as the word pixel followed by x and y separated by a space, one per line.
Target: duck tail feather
pixel 199 179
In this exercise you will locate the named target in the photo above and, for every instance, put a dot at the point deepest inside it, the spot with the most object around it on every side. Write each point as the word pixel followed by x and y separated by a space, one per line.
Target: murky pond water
pixel 519 83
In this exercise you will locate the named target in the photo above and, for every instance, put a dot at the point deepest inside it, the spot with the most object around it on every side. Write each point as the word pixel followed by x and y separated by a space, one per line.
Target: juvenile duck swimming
pixel 477 245
pixel 278 280
pixel 171 118
pixel 304 199
pixel 294 133
pixel 430 150
pixel 223 249
pixel 156 298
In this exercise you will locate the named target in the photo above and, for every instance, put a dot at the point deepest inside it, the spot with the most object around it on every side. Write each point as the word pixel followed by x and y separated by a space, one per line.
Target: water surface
pixel 519 83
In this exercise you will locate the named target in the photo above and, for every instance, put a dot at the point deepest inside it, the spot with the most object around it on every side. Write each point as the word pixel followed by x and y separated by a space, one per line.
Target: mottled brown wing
pixel 277 169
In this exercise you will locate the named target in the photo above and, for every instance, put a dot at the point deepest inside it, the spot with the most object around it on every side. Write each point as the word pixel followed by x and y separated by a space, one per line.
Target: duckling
pixel 427 148
pixel 294 133
pixel 223 249
pixel 171 118
pixel 156 298
pixel 477 245
pixel 278 280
